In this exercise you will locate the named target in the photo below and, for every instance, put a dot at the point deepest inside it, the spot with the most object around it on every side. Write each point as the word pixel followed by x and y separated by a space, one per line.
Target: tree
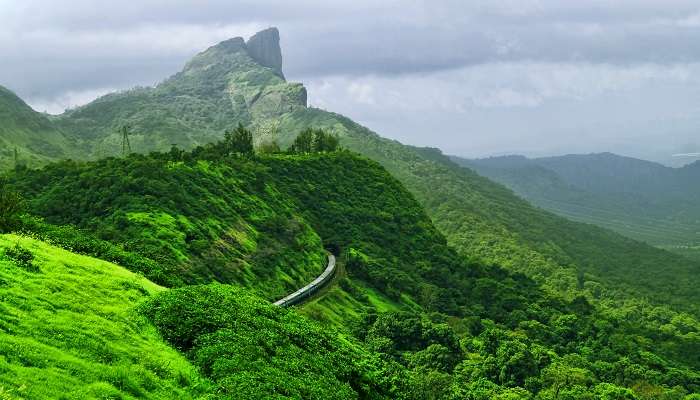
pixel 303 142
pixel 238 141
pixel 324 141
pixel 312 140
pixel 10 207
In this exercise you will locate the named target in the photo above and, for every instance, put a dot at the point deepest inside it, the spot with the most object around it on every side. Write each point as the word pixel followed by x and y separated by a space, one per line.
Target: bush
pixel 22 257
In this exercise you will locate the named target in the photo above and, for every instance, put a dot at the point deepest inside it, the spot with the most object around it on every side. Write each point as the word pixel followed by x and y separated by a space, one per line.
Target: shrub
pixel 22 257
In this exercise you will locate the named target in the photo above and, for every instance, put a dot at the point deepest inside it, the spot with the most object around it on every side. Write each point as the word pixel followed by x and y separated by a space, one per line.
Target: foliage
pixel 359 209
pixel 190 221
pixel 446 326
pixel 254 350
pixel 269 147
pixel 82 242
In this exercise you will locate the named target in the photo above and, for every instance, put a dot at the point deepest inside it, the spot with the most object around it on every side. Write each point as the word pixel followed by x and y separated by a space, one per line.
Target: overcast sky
pixel 475 78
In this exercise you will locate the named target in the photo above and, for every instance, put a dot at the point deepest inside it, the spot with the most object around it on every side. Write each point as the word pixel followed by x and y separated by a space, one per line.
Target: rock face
pixel 264 47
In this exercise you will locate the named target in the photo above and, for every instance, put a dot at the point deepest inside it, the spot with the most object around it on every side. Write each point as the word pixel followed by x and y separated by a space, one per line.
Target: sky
pixel 474 78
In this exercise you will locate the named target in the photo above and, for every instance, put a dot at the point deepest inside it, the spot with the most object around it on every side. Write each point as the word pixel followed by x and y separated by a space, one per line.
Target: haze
pixel 474 78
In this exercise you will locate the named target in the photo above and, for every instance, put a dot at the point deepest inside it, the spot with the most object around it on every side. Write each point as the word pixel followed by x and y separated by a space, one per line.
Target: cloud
pixel 526 107
pixel 67 100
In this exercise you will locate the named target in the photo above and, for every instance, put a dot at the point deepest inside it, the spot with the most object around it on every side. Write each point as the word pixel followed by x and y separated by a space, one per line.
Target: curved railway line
pixel 307 291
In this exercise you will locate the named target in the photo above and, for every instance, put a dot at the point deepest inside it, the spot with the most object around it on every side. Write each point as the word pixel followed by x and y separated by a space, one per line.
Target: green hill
pixel 33 135
pixel 75 327
pixel 198 223
pixel 640 199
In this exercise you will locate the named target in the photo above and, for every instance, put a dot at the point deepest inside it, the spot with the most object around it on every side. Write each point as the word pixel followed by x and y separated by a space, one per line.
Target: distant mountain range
pixel 641 199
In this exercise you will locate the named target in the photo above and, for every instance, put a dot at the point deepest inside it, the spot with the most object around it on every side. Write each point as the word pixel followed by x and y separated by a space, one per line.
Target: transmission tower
pixel 126 146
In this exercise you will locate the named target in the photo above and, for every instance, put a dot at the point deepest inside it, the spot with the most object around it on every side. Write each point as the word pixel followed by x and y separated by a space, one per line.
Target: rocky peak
pixel 264 48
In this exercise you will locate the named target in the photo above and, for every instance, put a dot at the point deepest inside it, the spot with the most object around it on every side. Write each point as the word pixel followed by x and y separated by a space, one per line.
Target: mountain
pixel 34 137
pixel 643 200
pixel 225 85
pixel 234 81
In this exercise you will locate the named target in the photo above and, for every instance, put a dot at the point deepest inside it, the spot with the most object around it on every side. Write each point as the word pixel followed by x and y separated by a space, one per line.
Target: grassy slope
pixel 36 138
pixel 70 331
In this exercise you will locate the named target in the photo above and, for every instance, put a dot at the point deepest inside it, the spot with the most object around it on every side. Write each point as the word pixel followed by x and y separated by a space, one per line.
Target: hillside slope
pixel 199 222
pixel 486 221
pixel 73 327
pixel 225 85
pixel 36 139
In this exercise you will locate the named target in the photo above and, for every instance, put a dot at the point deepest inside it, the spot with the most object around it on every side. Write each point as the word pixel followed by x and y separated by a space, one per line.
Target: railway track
pixel 307 291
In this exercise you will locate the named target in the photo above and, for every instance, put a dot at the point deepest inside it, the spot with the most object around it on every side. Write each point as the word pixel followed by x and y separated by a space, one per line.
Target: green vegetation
pixel 486 221
pixel 255 350
pixel 238 141
pixel 355 205
pixel 425 321
pixel 194 221
pixel 314 140
pixel 68 330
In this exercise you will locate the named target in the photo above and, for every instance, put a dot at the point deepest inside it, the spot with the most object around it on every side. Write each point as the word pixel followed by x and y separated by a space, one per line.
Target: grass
pixel 68 330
